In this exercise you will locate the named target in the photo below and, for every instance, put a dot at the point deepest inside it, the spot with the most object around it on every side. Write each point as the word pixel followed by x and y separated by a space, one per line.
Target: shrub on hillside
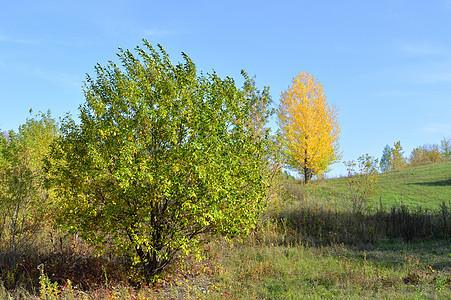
pixel 362 183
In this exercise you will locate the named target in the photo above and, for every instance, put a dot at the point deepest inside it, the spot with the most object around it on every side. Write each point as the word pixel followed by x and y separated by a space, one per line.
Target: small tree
pixel 385 163
pixel 445 148
pixel 398 161
pixel 259 115
pixel 160 157
pixel 362 183
pixel 309 127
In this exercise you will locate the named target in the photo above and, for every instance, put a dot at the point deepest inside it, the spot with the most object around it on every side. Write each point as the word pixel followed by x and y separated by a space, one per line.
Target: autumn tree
pixel 398 161
pixel 309 127
pixel 445 148
pixel 161 156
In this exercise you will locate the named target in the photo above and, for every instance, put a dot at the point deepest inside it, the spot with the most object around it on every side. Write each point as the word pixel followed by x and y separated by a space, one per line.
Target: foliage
pixel 445 148
pixel 398 161
pixel 425 154
pixel 309 127
pixel 385 162
pixel 362 184
pixel 22 193
pixel 259 102
pixel 160 157
pixel 36 135
pixel 18 191
pixel 273 160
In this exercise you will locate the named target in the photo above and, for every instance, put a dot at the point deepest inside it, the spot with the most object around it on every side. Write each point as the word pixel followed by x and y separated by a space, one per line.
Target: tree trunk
pixel 307 170
pixel 306 175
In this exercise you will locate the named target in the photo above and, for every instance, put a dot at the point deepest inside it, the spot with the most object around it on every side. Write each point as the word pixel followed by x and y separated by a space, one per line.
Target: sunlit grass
pixel 426 186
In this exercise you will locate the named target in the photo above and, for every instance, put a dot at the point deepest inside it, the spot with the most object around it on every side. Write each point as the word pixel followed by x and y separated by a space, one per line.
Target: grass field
pixel 427 186
pixel 391 270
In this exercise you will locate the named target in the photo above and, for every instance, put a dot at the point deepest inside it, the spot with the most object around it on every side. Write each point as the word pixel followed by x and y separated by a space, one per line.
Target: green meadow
pixel 427 186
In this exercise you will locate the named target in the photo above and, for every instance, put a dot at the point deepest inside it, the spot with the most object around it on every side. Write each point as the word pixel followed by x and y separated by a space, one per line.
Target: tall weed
pixel 324 224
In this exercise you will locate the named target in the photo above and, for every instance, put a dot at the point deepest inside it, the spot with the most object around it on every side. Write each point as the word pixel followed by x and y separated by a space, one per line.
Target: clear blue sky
pixel 385 64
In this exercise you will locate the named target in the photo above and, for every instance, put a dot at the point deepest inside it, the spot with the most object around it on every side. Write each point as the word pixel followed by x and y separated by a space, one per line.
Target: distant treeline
pixel 393 157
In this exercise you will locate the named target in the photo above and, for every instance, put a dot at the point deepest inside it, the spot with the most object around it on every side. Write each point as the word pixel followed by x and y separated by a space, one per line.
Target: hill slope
pixel 427 186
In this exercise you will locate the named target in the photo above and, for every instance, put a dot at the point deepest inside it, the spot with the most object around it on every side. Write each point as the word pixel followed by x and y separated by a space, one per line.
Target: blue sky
pixel 385 64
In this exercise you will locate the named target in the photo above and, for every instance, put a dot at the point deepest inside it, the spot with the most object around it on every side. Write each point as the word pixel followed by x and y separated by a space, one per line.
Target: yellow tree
pixel 309 127
pixel 398 160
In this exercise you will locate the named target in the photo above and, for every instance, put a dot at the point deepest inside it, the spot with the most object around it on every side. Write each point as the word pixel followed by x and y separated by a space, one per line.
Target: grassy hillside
pixel 427 186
